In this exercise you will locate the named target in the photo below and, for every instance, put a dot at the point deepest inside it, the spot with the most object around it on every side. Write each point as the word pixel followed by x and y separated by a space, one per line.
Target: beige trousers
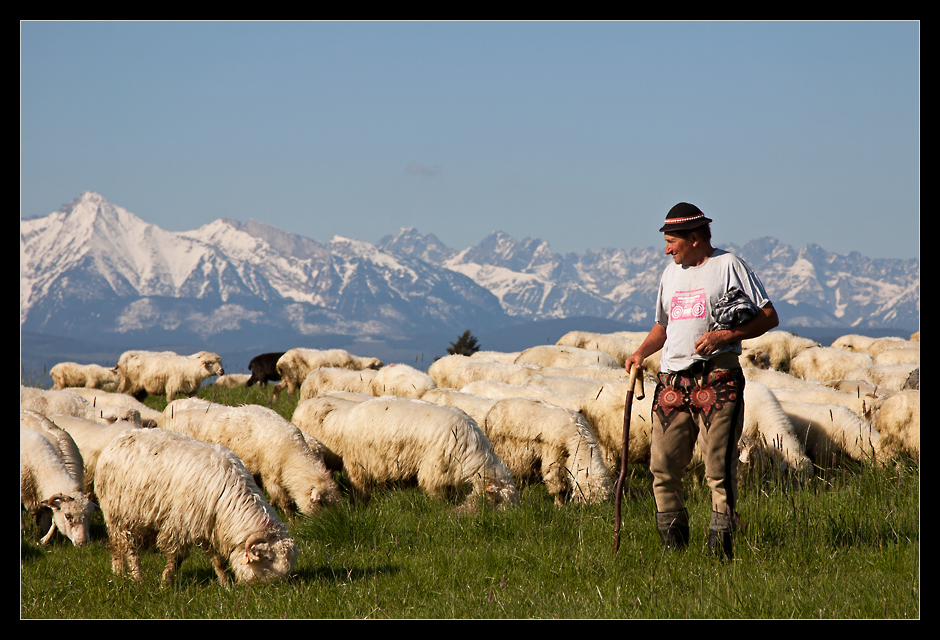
pixel 699 405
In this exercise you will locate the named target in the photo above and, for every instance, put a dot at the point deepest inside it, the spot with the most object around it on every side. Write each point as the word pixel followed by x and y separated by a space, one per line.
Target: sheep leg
pixel 218 563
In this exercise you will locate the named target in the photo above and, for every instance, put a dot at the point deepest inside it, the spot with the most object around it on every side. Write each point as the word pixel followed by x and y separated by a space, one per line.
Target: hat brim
pixel 685 226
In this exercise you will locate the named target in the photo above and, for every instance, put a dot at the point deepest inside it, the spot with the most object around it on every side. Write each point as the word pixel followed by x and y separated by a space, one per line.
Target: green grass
pixel 845 545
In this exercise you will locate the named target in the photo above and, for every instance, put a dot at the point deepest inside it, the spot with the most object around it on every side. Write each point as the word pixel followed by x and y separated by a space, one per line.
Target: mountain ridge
pixel 94 271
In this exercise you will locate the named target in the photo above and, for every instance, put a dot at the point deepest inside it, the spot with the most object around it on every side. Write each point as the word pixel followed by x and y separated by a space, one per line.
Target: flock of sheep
pixel 470 429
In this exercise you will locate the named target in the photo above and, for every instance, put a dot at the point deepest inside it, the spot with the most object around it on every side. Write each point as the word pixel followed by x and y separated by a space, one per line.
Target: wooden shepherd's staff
pixel 627 409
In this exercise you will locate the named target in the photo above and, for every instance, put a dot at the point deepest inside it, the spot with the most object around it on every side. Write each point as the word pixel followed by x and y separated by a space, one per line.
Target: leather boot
pixel 673 528
pixel 720 534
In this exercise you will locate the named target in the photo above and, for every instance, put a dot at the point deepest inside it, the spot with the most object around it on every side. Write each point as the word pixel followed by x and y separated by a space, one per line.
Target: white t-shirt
pixel 686 301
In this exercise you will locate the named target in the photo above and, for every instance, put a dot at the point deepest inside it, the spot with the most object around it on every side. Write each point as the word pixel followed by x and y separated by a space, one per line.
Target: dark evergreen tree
pixel 466 345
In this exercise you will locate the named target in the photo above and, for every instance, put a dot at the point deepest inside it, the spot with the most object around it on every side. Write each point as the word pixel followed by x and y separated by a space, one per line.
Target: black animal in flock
pixel 263 368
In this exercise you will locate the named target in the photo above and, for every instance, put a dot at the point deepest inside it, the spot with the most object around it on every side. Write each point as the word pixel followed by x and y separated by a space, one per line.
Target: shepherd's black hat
pixel 684 216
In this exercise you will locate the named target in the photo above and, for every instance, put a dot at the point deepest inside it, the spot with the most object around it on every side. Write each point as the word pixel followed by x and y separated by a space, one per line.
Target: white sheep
pixel 888 376
pixel 832 435
pixel 65 446
pixel 500 390
pixel 323 380
pixel 391 439
pixel 541 442
pixel 756 358
pixel 536 441
pixel 776 379
pixel 861 405
pixel 551 355
pixel 858 388
pixel 457 371
pixel 92 376
pixel 604 412
pixel 401 380
pixel 232 380
pixel 148 417
pixel 163 486
pixel 819 364
pixel 50 401
pixel 91 438
pixel 295 364
pixel 898 355
pixel 883 344
pixel 169 375
pixel 506 357
pixel 768 425
pixel 618 345
pixel 853 342
pixel 273 450
pixel 780 346
pixel 897 419
pixel 46 486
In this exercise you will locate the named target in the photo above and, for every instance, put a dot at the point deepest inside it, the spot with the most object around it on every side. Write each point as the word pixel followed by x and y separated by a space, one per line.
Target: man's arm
pixel 765 320
pixel 654 342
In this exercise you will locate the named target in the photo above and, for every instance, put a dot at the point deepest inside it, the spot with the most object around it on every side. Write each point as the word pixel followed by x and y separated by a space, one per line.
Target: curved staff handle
pixel 627 410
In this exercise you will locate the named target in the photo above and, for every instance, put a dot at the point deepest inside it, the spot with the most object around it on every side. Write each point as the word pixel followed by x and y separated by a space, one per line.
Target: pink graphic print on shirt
pixel 688 305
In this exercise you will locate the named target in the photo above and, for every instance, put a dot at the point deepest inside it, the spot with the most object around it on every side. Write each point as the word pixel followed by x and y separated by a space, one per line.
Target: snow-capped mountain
pixel 93 270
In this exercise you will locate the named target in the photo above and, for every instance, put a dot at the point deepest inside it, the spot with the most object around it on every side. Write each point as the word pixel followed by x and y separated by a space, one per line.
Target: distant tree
pixel 466 345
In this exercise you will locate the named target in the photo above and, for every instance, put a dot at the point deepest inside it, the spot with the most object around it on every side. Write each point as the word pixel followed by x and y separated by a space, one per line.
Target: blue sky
pixel 583 134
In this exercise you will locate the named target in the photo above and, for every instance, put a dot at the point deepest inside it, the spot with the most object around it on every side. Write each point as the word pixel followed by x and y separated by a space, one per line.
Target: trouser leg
pixel 720 452
pixel 670 454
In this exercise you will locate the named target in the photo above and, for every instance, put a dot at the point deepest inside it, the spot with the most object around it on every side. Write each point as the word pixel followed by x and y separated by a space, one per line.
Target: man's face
pixel 680 249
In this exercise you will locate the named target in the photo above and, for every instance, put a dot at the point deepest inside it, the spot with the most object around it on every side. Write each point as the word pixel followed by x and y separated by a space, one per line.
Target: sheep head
pixel 265 556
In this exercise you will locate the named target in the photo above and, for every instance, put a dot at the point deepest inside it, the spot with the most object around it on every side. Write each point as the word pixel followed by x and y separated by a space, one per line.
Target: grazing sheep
pixel 263 369
pixel 98 398
pixel 766 423
pixel 897 419
pixel 92 376
pixel 756 358
pixel 888 376
pixel 604 413
pixel 780 346
pixel 565 385
pixel 163 487
pixel 295 364
pixel 500 390
pixel 323 380
pixel 618 345
pixel 776 379
pixel 541 442
pixel 272 449
pixel 91 438
pixel 401 380
pixel 65 446
pixel 49 401
pixel 391 439
pixel 169 375
pixel 857 388
pixel 506 357
pixel 537 440
pixel 473 405
pixel 48 489
pixel 550 355
pixel 883 344
pixel 826 363
pixel 898 355
pixel 457 371
pixel 861 405
pixel 232 380
pixel 832 435
pixel 853 342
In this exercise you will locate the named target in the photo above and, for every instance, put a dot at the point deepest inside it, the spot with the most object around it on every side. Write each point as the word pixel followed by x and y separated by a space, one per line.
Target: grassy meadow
pixel 842 546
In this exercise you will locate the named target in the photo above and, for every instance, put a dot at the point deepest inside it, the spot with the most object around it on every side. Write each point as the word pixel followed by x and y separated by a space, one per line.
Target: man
pixel 700 388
